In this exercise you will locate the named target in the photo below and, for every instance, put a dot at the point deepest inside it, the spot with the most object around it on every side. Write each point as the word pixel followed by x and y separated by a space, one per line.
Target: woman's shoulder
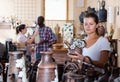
pixel 103 41
pixel 104 44
pixel 101 38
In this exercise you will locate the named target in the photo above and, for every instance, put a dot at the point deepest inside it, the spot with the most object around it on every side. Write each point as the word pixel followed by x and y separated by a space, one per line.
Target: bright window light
pixel 55 9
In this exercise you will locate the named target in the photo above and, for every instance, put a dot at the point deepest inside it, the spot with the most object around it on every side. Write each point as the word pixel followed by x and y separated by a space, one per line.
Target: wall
pixel 7 32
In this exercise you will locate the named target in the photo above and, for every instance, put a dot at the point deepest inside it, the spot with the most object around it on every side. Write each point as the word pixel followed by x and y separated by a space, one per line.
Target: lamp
pixel 116 34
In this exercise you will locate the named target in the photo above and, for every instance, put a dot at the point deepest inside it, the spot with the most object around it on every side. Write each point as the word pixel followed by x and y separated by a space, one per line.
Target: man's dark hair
pixel 40 19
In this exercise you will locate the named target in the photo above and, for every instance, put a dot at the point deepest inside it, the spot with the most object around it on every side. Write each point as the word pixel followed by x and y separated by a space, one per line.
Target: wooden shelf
pixel 5 25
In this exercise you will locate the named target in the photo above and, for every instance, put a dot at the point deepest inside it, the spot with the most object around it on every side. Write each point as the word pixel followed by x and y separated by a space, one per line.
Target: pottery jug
pixel 46 67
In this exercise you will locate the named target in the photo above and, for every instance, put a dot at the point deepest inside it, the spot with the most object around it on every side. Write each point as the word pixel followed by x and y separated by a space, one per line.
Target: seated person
pixel 97 47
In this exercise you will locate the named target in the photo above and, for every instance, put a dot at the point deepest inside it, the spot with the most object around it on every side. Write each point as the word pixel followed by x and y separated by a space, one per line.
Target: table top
pixel 61 50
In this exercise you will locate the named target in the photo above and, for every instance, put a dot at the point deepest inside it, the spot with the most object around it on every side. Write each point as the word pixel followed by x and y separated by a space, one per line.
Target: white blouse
pixel 94 51
pixel 21 38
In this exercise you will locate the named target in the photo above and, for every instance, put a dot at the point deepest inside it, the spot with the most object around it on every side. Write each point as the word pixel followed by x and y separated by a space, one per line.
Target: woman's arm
pixel 103 59
pixel 31 39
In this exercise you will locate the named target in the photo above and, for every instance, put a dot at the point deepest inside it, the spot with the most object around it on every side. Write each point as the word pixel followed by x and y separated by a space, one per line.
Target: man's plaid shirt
pixel 46 39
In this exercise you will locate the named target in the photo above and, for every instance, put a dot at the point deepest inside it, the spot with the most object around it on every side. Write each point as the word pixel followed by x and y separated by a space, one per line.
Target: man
pixel 46 37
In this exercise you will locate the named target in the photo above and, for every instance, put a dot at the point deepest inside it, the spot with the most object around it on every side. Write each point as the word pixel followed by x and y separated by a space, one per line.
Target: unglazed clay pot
pixel 46 68
pixel 13 71
pixel 72 77
pixel 102 13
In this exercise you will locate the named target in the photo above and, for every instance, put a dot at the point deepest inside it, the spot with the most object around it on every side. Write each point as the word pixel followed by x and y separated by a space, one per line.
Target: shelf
pixel 5 25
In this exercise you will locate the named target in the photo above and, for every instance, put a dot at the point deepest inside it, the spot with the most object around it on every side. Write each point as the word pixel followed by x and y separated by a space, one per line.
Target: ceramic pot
pixel 102 15
pixel 13 71
pixel 72 77
pixel 46 68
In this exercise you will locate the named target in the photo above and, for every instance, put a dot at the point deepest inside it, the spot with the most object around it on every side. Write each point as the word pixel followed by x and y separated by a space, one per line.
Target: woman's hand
pixel 72 56
pixel 79 55
pixel 36 32
pixel 76 56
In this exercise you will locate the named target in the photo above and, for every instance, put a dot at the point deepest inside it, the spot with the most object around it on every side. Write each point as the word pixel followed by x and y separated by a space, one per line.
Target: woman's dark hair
pixel 93 15
pixel 20 28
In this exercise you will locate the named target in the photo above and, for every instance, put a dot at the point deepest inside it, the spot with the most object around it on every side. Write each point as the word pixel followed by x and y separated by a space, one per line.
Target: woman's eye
pixel 85 24
pixel 91 23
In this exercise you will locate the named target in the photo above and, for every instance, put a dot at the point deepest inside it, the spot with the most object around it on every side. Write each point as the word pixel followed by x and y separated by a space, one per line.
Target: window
pixel 55 9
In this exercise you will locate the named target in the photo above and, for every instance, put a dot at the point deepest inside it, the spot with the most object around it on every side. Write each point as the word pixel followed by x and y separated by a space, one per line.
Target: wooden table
pixel 60 55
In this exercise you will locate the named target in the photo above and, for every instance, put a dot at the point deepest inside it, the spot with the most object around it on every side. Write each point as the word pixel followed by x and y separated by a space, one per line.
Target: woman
pixel 22 39
pixel 97 47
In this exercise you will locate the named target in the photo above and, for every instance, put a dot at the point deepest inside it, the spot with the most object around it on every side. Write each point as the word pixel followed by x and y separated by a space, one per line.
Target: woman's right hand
pixel 72 56
pixel 76 56
pixel 80 56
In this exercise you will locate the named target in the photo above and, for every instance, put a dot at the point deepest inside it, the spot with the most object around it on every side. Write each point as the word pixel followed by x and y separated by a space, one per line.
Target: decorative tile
pixel 68 32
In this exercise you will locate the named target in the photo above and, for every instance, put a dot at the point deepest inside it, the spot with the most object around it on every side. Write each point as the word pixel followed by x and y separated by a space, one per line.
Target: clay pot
pixel 72 77
pixel 102 15
pixel 13 71
pixel 46 68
